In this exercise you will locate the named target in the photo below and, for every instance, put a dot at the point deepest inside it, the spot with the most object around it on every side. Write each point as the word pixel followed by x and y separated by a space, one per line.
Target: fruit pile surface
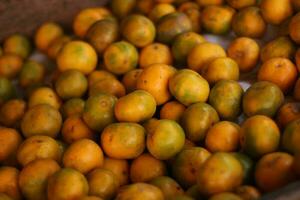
pixel 138 103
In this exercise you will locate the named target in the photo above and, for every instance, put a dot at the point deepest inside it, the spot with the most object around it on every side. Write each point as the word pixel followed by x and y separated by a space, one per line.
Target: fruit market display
pixel 138 103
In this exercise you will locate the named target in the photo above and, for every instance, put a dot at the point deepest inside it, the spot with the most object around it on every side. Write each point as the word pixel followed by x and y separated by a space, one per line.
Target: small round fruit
pixel 203 3
pixel 239 4
pixel 202 54
pixel 194 16
pixel 74 129
pixel 31 73
pixel 129 79
pixel 140 170
pixel 119 167
pixel 259 135
pixel 55 47
pixel 9 182
pixel 276 11
pixel 122 8
pixel 160 10
pixel 247 164
pixel 71 84
pixel 144 30
pixel 10 141
pixel 103 33
pixel 67 184
pixel 219 167
pixel 99 75
pixel 12 112
pixel 280 47
pixel 226 98
pixel 144 6
pixel 99 111
pixel 7 90
pixel 77 55
pixel 179 22
pixel 102 183
pixel 155 53
pixel 137 106
pixel 197 119
pixel 172 110
pixel 44 95
pixel 221 69
pixel 169 187
pixel 83 155
pixel 217 19
pixel 10 65
pixel 262 98
pixel 120 57
pixel 291 137
pixel 154 79
pixel 115 142
pixel 280 71
pixel 245 51
pixel 223 136
pixel 17 44
pixel 183 44
pixel 188 87
pixel 288 113
pixel 133 192
pixel 110 86
pixel 38 147
pixel 41 119
pixel 90 198
pixel 73 106
pixel 225 196
pixel 247 192
pixel 46 34
pixel 273 171
pixel 87 17
pixel 249 22
pixel 165 140
pixel 33 178
pixel 187 163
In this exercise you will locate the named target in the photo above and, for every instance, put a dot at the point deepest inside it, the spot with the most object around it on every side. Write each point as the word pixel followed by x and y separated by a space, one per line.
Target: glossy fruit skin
pixel 221 69
pixel 288 113
pixel 274 171
pixel 280 71
pixel 10 140
pixel 219 167
pixel 165 140
pixel 144 30
pixel 209 2
pixel 77 55
pixel 12 112
pixel 33 178
pixel 10 65
pixel 38 147
pixel 259 135
pixel 247 192
pixel 41 119
pixel 87 17
pixel 293 27
pixel 140 170
pixel 180 87
pixel 103 33
pixel 67 184
pixel 197 119
pixel 239 4
pixel 223 136
pixel 226 98
pixel 279 47
pixel 291 137
pixel 154 79
pixel 168 186
pixel 217 19
pixel 98 111
pixel 245 51
pixel 144 6
pixel 202 54
pixel 9 182
pixel 249 22
pixel 17 44
pixel 31 73
pixel 262 98
pixel 247 164
pixel 111 86
pixel 180 23
pixel 122 8
pixel 155 53
pixel 99 75
pixel 44 95
pixel 132 192
pixel 183 44
pixel 119 167
pixel 137 106
pixel 102 183
pixel 120 57
pixel 275 12
pixel 7 90
pixel 71 84
pixel 115 143
pixel 225 196
pixel 160 10
pixel 57 45
pixel 187 164
pixel 74 106
pixel 130 78
pixel 172 110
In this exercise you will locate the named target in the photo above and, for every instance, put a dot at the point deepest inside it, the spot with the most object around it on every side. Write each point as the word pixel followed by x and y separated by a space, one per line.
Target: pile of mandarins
pixel 138 105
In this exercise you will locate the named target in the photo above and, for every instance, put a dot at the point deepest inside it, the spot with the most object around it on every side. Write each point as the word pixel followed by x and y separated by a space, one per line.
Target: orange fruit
pixel 172 110
pixel 275 12
pixel 9 182
pixel 46 34
pixel 10 65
